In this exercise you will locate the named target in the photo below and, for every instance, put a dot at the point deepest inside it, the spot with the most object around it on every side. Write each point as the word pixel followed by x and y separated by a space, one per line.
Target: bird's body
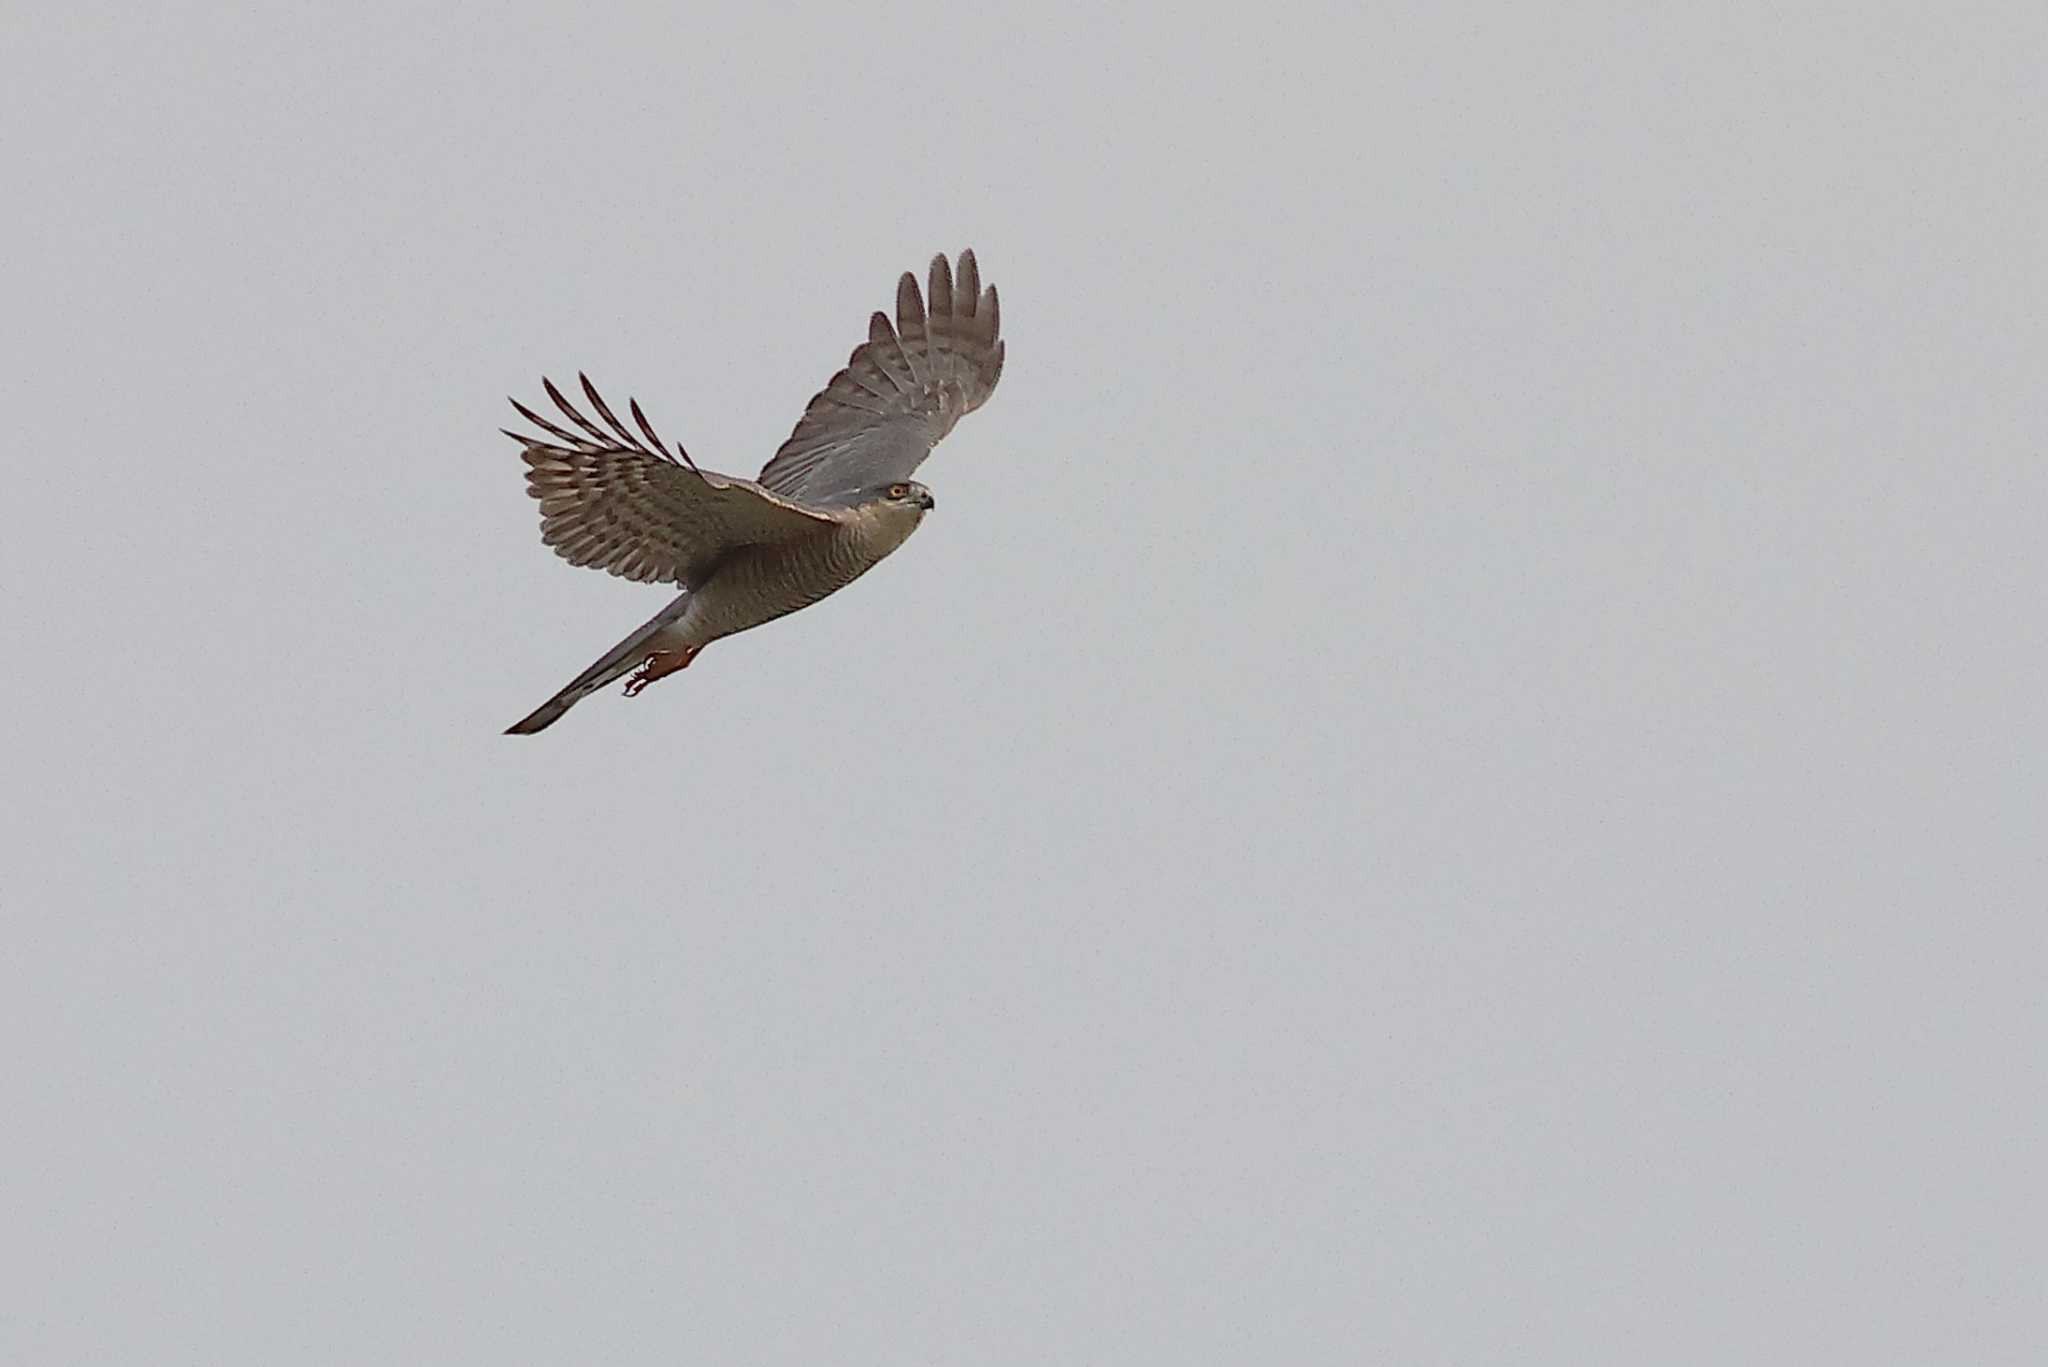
pixel 761 583
pixel 752 587
pixel 832 504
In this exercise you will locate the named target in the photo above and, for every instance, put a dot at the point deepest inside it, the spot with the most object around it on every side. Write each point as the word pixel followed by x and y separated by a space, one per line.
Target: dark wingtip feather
pixel 967 285
pixel 909 305
pixel 626 439
pixel 556 395
pixel 646 428
pixel 575 442
pixel 682 456
pixel 570 412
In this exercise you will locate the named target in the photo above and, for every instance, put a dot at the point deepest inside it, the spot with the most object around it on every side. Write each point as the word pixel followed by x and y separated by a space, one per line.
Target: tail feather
pixel 613 664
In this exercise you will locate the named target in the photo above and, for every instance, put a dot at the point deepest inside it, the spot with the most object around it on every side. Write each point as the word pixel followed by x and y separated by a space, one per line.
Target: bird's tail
pixel 615 662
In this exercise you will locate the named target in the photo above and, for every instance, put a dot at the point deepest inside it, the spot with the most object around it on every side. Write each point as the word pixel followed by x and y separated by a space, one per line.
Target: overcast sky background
pixel 1457 777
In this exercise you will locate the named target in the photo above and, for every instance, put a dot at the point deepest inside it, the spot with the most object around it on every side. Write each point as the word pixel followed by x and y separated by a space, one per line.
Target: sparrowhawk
pixel 837 497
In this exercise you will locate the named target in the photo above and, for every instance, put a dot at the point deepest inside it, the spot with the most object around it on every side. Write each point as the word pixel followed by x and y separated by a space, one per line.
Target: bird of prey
pixel 835 499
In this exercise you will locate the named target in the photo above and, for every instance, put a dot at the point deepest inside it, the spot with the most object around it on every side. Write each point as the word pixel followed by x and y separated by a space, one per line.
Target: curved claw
pixel 659 665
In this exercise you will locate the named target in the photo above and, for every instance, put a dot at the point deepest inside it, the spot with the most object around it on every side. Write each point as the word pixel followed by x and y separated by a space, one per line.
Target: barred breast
pixel 761 583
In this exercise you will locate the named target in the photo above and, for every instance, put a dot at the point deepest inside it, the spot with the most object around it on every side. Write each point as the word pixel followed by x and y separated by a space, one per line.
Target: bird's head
pixel 904 494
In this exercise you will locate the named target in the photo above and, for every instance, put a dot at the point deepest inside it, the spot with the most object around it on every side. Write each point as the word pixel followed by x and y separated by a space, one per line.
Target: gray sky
pixel 1458 776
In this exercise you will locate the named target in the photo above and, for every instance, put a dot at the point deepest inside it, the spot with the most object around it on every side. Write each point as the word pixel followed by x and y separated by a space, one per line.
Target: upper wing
pixel 628 507
pixel 902 390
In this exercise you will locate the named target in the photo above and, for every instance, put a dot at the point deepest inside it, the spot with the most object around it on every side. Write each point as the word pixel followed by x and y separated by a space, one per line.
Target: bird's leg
pixel 659 665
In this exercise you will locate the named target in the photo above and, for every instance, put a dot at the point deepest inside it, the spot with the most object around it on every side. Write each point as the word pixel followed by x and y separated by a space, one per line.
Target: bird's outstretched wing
pixel 623 504
pixel 902 390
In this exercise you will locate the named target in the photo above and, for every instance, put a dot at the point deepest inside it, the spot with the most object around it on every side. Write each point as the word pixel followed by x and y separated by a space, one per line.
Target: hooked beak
pixel 926 501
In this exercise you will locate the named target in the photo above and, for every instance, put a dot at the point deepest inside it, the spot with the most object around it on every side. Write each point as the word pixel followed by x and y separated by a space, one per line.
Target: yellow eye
pixel 898 490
